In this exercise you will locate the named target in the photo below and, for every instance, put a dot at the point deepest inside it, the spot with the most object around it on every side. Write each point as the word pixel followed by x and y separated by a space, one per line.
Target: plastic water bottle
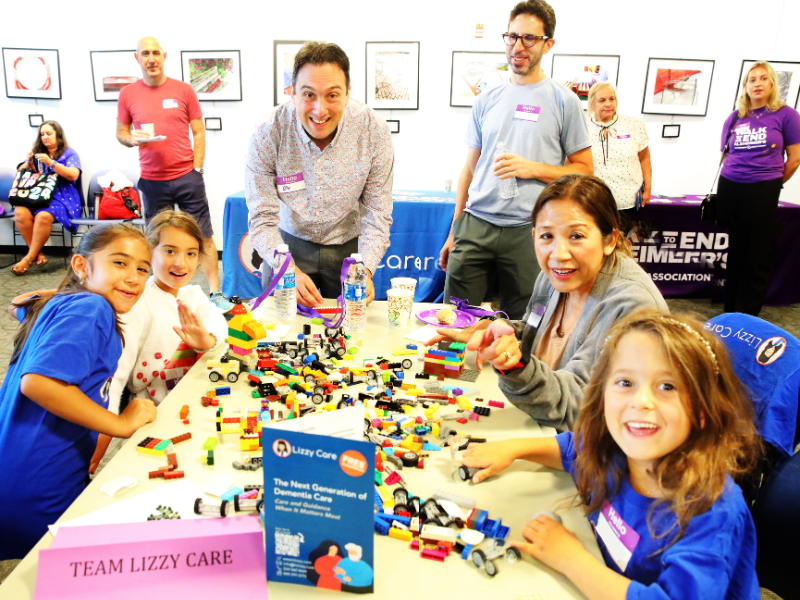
pixel 355 295
pixel 508 187
pixel 285 294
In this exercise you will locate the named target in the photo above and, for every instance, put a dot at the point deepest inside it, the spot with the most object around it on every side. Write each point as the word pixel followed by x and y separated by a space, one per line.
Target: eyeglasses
pixel 527 40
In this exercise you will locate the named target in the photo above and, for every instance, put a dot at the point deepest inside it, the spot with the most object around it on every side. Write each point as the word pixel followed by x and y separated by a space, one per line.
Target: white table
pixel 515 495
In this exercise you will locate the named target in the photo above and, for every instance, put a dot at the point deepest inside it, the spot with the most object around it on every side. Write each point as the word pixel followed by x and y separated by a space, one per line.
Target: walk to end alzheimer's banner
pixel 683 259
pixel 318 510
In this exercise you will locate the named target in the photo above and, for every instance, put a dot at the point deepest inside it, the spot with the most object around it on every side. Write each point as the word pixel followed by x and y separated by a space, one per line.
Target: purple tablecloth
pixel 686 257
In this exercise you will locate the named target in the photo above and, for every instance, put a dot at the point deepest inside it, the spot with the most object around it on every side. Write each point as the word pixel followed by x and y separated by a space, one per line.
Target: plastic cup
pixel 404 283
pixel 401 304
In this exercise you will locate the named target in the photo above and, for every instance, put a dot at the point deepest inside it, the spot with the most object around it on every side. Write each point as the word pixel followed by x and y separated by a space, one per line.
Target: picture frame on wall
pixel 579 72
pixel 788 80
pixel 32 73
pixel 283 54
pixel 474 73
pixel 215 75
pixel 677 86
pixel 392 78
pixel 113 70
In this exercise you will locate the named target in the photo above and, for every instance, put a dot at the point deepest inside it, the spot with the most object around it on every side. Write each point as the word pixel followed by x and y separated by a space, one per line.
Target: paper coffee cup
pixel 404 283
pixel 400 303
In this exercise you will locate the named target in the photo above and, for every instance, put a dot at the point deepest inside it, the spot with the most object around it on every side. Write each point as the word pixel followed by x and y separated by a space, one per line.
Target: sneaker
pixel 220 301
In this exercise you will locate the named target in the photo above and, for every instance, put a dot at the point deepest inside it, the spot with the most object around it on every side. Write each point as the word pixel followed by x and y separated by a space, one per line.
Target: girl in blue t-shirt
pixel 664 425
pixel 52 402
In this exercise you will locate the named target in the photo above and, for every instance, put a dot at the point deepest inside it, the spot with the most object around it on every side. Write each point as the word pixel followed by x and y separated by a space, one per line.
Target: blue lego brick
pixel 382 526
pixel 234 491
pixel 411 346
pixel 480 520
pixel 501 533
pixel 399 374
pixel 431 447
pixel 466 551
pixel 223 390
pixel 378 501
pixel 392 518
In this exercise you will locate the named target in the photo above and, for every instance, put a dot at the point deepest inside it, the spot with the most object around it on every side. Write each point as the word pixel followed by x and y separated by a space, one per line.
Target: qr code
pixel 287 544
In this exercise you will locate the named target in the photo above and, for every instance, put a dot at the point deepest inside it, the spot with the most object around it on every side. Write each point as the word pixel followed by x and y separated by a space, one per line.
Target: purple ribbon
pixel 305 311
pixel 475 311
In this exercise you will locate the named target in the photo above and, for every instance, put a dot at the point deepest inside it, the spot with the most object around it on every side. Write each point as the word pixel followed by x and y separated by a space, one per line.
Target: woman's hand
pixel 192 331
pixel 458 335
pixel 550 542
pixel 498 345
pixel 45 158
pixel 491 458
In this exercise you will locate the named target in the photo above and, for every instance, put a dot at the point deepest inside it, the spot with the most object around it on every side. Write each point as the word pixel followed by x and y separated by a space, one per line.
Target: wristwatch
pixel 200 170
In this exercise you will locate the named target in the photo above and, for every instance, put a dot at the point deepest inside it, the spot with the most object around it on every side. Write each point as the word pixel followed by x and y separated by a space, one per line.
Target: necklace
pixel 559 327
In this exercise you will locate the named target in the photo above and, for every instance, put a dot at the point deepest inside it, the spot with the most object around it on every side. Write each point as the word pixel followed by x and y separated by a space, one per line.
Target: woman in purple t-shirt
pixel 51 153
pixel 757 134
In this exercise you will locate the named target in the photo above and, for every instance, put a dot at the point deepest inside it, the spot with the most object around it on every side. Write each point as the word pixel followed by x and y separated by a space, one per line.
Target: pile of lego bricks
pixel 160 447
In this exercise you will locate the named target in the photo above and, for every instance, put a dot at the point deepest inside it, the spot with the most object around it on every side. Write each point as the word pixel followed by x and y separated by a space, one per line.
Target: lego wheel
pixel 317 398
pixel 331 332
pixel 197 504
pixel 318 389
pixel 223 509
pixel 342 404
pixel 233 377
pixel 213 376
pixel 463 473
pixel 224 358
pixel 407 363
pixel 291 353
pixel 490 568
pixel 260 505
pixel 513 555
pixel 372 376
pixel 340 352
pixel 309 378
pixel 478 558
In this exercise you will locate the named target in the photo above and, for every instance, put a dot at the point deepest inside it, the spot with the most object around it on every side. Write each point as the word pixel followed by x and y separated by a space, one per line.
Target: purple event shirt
pixel 757 145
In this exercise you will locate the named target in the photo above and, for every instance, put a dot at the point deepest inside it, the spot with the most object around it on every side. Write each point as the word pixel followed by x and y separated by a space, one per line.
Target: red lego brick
pixel 174 475
pixel 186 421
pixel 181 438
pixel 462 420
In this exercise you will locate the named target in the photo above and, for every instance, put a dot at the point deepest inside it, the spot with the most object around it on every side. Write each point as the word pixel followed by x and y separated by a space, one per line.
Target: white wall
pixel 430 147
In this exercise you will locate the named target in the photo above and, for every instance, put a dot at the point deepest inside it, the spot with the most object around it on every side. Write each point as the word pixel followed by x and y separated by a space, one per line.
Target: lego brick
pixel 184 411
pixel 400 534
pixel 173 475
pixel 181 438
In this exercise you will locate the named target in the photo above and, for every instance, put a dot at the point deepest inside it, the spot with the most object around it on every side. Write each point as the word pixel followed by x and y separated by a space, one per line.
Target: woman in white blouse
pixel 620 151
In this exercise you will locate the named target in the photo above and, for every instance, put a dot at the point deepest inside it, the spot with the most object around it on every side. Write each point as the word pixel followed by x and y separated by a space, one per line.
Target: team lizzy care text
pixel 159 562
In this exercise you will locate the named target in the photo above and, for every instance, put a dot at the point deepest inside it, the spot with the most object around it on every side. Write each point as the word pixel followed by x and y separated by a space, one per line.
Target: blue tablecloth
pixel 421 224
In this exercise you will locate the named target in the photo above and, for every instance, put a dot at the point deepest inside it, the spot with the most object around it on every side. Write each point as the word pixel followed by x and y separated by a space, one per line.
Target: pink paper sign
pixel 181 558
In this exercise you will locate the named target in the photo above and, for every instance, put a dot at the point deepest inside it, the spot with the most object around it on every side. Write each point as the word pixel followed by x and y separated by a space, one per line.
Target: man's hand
pixel 139 138
pixel 444 254
pixel 307 292
pixel 508 165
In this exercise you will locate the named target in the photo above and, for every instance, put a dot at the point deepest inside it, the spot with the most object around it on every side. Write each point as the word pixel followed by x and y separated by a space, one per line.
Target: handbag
pixel 32 190
pixel 709 207
pixel 123 204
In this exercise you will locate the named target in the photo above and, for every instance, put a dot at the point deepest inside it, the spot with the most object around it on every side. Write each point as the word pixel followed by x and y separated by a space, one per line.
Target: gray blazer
pixel 553 398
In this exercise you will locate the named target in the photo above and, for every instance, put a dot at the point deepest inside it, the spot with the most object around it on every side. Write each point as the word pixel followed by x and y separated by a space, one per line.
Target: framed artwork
pixel 473 73
pixel 788 80
pixel 32 73
pixel 676 86
pixel 213 123
pixel 394 125
pixel 215 75
pixel 671 131
pixel 112 70
pixel 579 72
pixel 392 75
pixel 284 53
pixel 35 120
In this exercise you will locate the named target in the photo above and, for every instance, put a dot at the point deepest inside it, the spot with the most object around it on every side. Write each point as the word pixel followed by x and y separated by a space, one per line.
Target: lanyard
pixel 475 311
pixel 305 311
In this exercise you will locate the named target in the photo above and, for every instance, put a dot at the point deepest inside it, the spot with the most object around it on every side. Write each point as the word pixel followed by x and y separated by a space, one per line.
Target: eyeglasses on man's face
pixel 510 39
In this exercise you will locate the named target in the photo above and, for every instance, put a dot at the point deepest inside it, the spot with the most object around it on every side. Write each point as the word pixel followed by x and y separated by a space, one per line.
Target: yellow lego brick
pixel 462 402
pixel 296 379
pixel 247 345
pixel 254 329
pixel 402 351
pixel 343 386
pixel 428 414
pixel 150 451
pixel 435 430
pixel 400 534
pixel 406 409
pixel 347 357
pixel 414 392
pixel 408 386
pixel 329 406
pixel 386 496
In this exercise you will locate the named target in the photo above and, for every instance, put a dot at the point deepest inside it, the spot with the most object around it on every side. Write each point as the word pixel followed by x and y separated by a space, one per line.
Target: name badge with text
pixel 619 537
pixel 169 103
pixel 291 183
pixel 527 112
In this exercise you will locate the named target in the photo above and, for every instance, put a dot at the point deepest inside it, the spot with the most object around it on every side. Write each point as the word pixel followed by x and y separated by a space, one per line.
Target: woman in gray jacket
pixel 588 282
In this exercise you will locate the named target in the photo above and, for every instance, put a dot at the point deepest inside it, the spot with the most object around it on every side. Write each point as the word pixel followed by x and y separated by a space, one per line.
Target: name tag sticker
pixel 526 112
pixel 291 183
pixel 623 137
pixel 169 103
pixel 619 537
pixel 536 315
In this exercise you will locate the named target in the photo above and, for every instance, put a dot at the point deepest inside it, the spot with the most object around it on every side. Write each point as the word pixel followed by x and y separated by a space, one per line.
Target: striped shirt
pixel 324 196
